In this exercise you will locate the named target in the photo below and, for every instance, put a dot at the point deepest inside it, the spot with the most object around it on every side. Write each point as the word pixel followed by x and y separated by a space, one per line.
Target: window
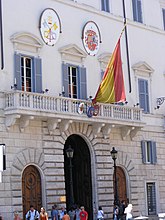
pixel 143 95
pixel 28 76
pixel 105 5
pixel 149 152
pixel 137 10
pixel 74 81
pixel 163 11
pixel 151 198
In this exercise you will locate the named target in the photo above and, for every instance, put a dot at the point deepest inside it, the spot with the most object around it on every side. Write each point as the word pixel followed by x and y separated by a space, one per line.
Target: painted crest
pixel 50 26
pixel 91 38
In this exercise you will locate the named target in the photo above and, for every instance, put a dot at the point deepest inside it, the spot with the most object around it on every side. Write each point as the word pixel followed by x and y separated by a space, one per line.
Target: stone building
pixel 53 55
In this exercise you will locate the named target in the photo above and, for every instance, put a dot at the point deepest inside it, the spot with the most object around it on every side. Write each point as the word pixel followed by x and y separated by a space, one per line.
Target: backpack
pixel 121 209
pixel 35 215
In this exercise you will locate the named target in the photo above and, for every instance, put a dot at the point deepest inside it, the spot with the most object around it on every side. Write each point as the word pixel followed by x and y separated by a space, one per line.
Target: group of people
pixel 74 213
pixel 33 214
pixel 121 212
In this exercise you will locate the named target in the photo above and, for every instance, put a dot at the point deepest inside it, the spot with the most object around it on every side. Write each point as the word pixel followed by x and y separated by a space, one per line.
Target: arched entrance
pixel 121 184
pixel 81 174
pixel 31 189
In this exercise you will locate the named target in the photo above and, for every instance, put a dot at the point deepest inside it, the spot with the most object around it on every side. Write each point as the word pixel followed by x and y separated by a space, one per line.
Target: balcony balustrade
pixel 25 104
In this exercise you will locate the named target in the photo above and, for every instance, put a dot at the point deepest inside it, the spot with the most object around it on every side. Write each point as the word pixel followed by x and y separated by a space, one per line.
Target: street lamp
pixel 69 153
pixel 114 157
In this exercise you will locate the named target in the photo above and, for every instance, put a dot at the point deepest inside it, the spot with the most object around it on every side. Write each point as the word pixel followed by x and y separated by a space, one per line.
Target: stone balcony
pixel 61 111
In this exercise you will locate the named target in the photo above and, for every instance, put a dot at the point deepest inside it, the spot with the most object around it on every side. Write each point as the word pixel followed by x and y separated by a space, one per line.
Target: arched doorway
pixel 121 184
pixel 31 189
pixel 81 174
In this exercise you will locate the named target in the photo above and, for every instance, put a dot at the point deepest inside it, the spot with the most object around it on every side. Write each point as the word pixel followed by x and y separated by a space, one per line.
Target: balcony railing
pixel 18 100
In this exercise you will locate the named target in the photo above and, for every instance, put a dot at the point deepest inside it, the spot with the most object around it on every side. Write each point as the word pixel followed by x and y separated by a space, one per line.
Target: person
pixel 128 212
pixel 16 216
pixel 66 216
pixel 71 213
pixel 115 212
pixel 32 214
pixel 62 212
pixel 54 213
pixel 77 212
pixel 100 213
pixel 122 209
pixel 43 214
pixel 83 214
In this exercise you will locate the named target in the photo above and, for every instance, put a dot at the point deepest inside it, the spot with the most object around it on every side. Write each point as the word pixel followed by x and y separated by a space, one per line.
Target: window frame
pixel 24 67
pixel 163 14
pixel 149 153
pixel 144 96
pixel 151 199
pixel 105 5
pixel 36 72
pixel 81 80
pixel 136 11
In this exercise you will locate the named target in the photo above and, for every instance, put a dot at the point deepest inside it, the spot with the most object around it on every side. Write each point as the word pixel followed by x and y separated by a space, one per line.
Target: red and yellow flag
pixel 111 89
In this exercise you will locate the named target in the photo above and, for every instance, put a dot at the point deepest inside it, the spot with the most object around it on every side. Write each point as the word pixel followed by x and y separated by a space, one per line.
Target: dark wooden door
pixel 31 189
pixel 81 169
pixel 121 184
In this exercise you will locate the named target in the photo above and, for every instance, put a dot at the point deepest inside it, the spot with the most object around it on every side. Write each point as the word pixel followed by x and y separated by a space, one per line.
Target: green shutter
pixel 17 70
pixel 139 11
pixel 153 152
pixel 102 74
pixel 37 76
pixel 163 10
pixel 143 95
pixel 65 79
pixel 107 6
pixel 82 83
pixel 102 5
pixel 134 10
pixel 143 151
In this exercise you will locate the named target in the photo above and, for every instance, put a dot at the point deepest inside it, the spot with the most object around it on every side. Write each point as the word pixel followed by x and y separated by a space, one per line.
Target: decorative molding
pixel 104 59
pixel 97 128
pixel 10 120
pixel 64 125
pixel 52 124
pixel 142 68
pixel 27 42
pixel 134 132
pixel 72 52
pixel 125 131
pixel 24 121
pixel 107 129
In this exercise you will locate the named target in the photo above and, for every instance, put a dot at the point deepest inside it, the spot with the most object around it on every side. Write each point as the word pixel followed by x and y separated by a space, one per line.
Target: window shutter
pixel 17 74
pixel 102 74
pixel 163 10
pixel 143 95
pixel 82 83
pixel 102 5
pixel 37 76
pixel 107 6
pixel 143 151
pixel 134 10
pixel 153 152
pixel 65 79
pixel 139 11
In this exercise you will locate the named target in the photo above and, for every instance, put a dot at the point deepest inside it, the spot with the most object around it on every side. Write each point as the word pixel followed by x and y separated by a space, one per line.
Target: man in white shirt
pixel 32 214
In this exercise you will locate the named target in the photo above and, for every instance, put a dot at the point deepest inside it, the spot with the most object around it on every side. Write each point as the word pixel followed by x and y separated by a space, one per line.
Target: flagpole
pixel 127 51
pixel 1 36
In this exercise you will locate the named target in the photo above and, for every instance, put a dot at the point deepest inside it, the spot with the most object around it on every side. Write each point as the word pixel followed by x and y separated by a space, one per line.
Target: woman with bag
pixel 100 213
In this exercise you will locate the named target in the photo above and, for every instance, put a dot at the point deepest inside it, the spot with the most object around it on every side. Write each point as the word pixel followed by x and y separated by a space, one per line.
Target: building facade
pixel 53 56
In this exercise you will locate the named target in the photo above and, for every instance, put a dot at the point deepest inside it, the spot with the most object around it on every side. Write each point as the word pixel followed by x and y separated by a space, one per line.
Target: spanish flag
pixel 111 89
